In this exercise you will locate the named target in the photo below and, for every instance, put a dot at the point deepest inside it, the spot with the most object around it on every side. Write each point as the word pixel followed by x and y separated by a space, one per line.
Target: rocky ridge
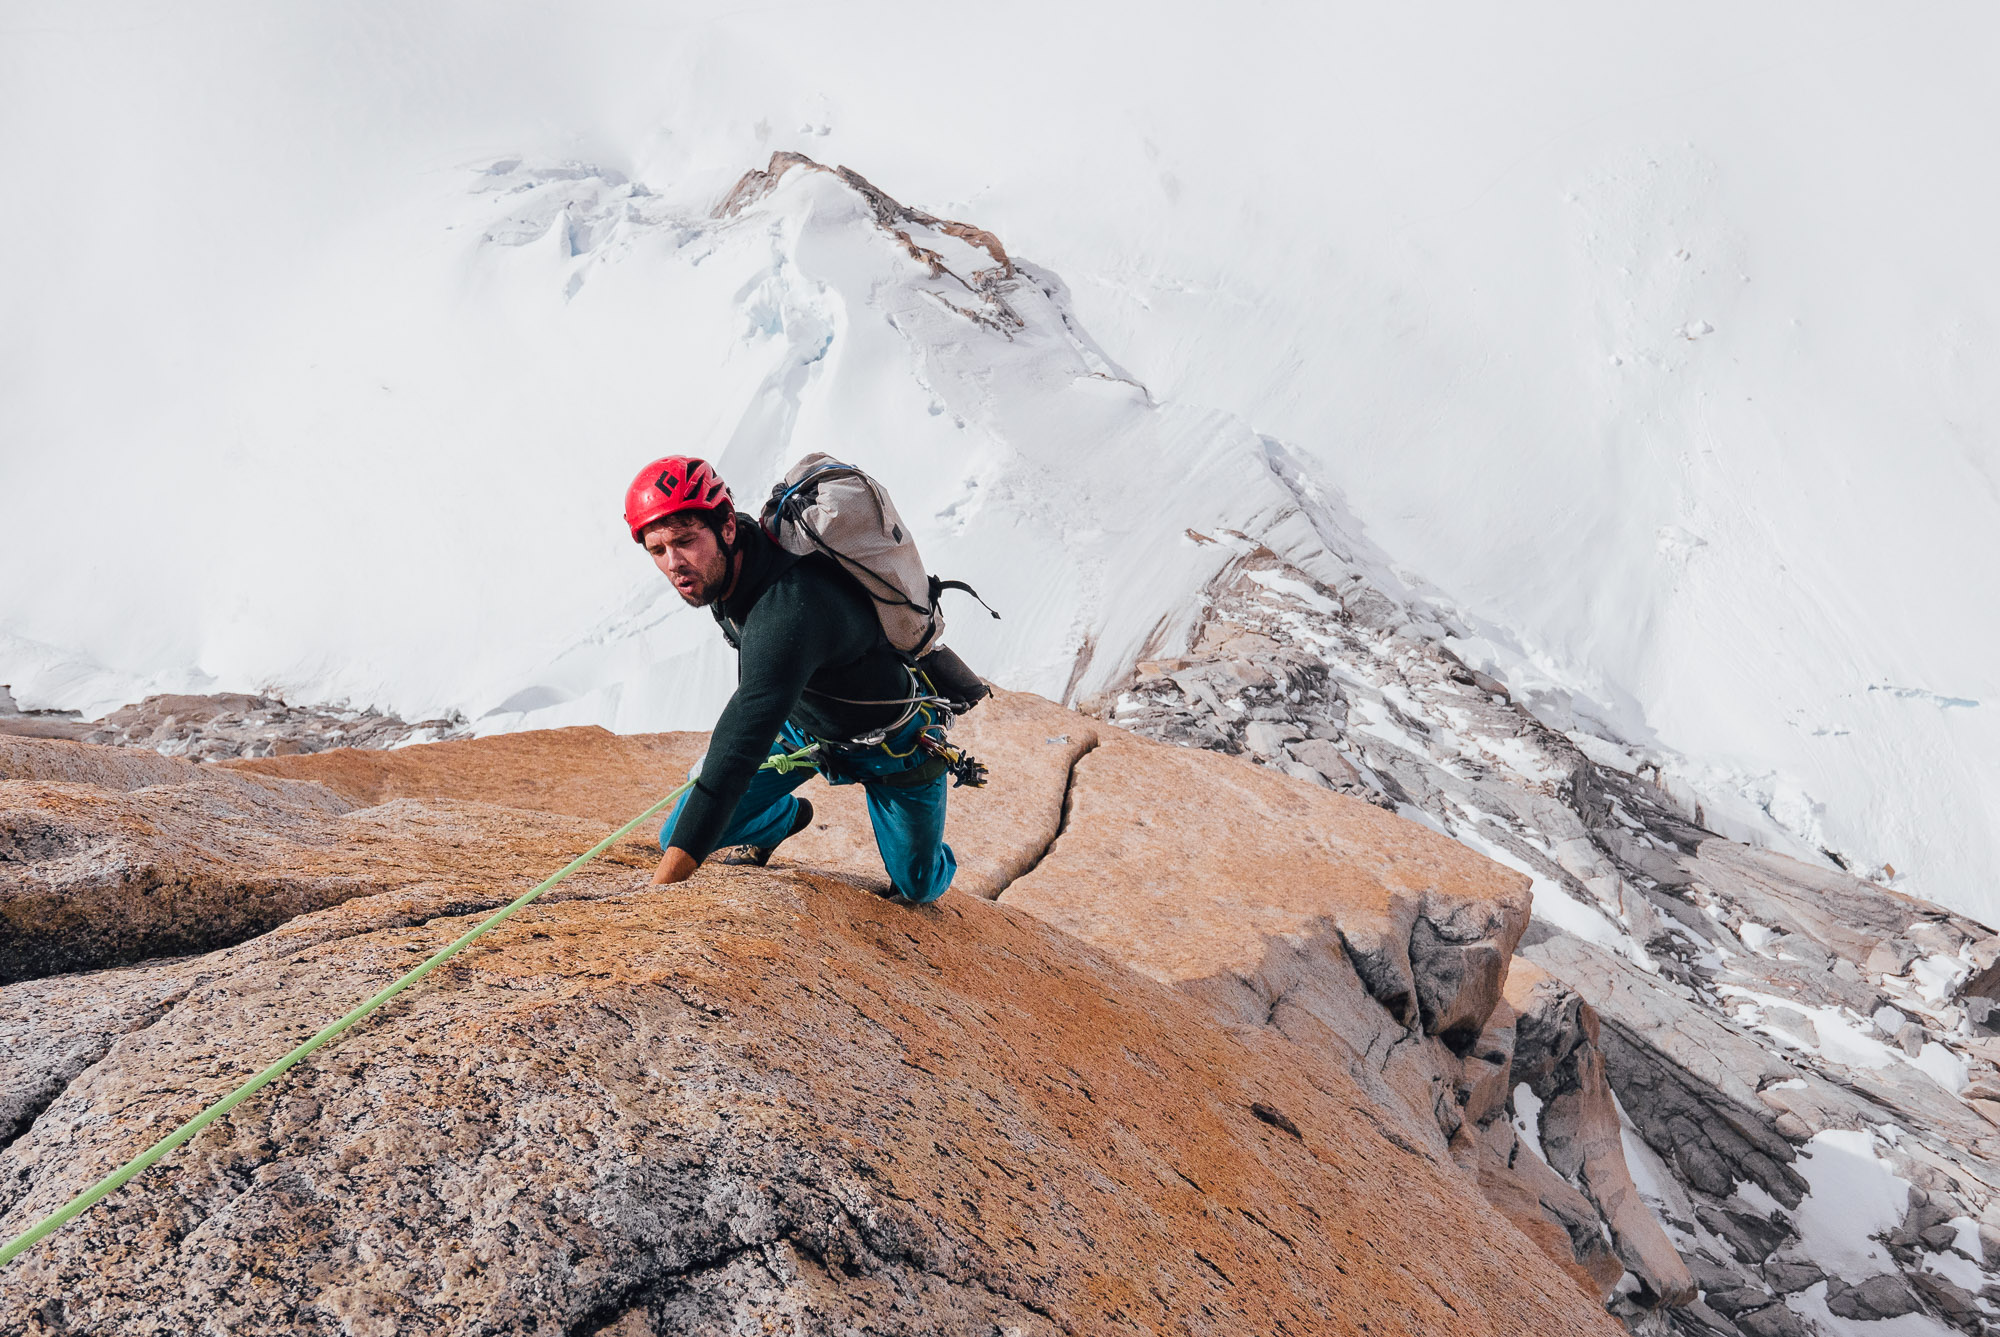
pixel 226 725
pixel 1772 1030
pixel 984 284
pixel 1330 922
pixel 1786 1067
pixel 769 1096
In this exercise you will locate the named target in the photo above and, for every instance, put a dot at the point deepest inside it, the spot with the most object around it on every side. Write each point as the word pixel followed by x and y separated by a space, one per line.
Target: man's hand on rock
pixel 676 865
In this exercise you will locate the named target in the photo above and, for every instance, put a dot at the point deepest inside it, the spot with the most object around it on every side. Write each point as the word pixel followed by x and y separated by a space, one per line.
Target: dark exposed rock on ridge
pixel 911 227
pixel 227 725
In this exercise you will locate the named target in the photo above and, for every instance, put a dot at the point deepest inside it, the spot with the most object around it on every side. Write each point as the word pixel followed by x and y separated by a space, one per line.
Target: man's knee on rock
pixel 933 882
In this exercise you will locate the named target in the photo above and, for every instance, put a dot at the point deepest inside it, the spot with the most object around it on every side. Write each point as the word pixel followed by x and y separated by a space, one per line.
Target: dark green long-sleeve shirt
pixel 804 632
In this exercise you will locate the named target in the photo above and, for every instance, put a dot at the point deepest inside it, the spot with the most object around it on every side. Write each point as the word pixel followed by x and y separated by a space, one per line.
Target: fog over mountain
pixel 1652 351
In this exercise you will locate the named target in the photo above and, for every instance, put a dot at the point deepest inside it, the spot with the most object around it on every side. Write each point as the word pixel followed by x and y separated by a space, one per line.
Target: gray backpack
pixel 824 506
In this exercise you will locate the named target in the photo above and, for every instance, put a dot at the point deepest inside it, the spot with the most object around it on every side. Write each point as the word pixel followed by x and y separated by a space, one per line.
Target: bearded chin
pixel 710 590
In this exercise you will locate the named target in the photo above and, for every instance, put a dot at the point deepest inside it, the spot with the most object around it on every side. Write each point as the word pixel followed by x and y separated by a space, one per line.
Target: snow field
pixel 1659 341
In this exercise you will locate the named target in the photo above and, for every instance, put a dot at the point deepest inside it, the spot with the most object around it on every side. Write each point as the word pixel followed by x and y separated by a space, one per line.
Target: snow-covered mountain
pixel 1656 348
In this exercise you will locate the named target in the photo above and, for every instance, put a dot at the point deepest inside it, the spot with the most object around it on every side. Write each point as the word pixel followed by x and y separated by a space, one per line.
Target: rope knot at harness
pixel 805 759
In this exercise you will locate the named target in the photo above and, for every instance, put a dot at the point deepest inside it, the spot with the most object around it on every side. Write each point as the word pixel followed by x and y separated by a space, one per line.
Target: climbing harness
pixel 920 701
pixel 805 758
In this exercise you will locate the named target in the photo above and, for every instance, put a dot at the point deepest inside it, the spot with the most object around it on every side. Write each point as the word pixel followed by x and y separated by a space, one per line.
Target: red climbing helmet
pixel 676 483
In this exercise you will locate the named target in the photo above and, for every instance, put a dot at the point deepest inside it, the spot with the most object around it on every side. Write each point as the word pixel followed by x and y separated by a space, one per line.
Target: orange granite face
pixel 1188 860
pixel 958 1103
pixel 580 772
pixel 997 832
pixel 840 1099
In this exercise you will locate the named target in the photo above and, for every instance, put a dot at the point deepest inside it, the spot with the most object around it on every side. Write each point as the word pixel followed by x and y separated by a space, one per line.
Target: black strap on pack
pixel 940 586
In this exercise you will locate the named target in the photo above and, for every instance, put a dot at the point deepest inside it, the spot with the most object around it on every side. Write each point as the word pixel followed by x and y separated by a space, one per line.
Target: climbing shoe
pixel 756 856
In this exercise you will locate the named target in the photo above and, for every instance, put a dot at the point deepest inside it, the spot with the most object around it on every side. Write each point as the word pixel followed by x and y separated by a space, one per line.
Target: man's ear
pixel 729 531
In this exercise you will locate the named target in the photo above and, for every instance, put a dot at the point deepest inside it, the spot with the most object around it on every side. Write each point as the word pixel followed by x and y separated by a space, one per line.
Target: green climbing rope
pixel 96 1193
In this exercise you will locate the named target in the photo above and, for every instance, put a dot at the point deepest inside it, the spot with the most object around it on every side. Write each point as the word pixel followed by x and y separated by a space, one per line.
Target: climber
pixel 813 667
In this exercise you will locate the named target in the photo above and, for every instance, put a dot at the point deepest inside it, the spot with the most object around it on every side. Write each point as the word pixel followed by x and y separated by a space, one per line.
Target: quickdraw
pixel 962 766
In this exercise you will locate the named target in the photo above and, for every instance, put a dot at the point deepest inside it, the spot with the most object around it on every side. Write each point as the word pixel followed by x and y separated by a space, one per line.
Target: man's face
pixel 687 553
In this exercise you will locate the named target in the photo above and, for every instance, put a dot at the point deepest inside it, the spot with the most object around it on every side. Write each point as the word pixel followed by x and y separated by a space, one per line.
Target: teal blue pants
pixel 908 818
